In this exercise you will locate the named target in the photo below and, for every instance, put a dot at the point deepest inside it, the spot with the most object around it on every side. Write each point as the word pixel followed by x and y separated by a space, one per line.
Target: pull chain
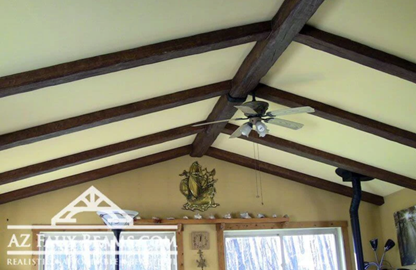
pixel 260 179
pixel 259 184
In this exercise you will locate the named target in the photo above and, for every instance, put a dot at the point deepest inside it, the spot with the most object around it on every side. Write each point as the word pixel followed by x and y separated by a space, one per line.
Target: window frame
pixel 307 227
pixel 178 235
pixel 78 236
pixel 172 236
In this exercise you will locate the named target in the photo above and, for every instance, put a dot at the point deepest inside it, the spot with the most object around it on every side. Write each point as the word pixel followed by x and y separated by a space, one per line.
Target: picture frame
pixel 405 221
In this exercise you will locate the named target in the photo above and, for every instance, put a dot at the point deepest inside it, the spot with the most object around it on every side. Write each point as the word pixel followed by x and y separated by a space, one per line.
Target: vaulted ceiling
pixel 91 89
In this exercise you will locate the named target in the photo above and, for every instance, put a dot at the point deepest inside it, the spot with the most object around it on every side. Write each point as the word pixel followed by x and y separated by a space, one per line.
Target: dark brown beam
pixel 286 24
pixel 291 175
pixel 356 52
pixel 103 64
pixel 339 116
pixel 327 158
pixel 223 109
pixel 107 116
pixel 98 153
pixel 93 175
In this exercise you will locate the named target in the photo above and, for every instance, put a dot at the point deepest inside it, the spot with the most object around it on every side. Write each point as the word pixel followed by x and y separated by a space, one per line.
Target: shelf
pixel 210 221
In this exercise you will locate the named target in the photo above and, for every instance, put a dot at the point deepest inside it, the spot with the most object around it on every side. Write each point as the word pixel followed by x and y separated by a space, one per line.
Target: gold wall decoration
pixel 198 188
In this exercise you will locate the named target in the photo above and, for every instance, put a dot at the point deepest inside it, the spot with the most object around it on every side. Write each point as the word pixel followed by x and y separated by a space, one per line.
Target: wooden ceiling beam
pixel 98 153
pixel 286 24
pixel 103 64
pixel 291 175
pixel 111 115
pixel 327 158
pixel 337 115
pixel 94 175
pixel 356 52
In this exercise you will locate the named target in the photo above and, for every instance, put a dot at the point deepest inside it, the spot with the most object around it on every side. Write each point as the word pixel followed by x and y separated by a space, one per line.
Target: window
pixel 77 250
pixel 148 250
pixel 97 250
pixel 284 249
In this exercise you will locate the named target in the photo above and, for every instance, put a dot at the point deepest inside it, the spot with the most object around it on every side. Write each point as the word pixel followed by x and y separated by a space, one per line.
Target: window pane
pixel 310 252
pixel 148 251
pixel 69 251
pixel 253 253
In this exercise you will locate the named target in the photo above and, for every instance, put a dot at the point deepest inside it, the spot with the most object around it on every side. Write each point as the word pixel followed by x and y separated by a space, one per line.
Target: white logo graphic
pixel 90 201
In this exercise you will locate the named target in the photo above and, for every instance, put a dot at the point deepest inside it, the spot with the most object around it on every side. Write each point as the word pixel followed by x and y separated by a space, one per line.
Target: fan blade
pixel 306 109
pixel 219 121
pixel 244 129
pixel 246 109
pixel 284 123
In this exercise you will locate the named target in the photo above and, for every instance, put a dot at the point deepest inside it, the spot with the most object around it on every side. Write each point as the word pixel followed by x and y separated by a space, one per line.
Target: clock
pixel 200 240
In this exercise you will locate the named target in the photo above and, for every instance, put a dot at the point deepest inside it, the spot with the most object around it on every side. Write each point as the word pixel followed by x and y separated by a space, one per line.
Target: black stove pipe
pixel 355 223
pixel 356 179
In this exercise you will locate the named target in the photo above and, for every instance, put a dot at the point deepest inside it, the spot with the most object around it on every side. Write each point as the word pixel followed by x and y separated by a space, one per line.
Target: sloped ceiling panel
pixel 345 85
pixel 347 142
pixel 47 32
pixel 96 164
pixel 115 89
pixel 104 135
pixel 295 163
pixel 385 25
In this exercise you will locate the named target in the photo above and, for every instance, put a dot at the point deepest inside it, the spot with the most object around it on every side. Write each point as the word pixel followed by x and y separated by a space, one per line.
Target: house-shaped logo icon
pixel 92 200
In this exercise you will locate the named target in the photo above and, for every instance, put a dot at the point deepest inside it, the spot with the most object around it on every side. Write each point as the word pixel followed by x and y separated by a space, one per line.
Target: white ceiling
pixel 43 33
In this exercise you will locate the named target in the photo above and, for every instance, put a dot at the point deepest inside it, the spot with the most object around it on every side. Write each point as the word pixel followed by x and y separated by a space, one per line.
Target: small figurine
pixel 244 215
pixel 157 220
pixel 228 215
pixel 197 216
pixel 259 215
pixel 286 216
pixel 185 217
pixel 274 216
pixel 212 216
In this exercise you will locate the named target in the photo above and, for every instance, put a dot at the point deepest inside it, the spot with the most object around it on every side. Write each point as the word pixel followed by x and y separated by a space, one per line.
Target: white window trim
pixel 171 233
pixel 336 231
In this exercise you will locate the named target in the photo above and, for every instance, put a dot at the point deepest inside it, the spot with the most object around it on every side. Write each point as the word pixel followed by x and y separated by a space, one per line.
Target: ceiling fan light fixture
pixel 261 129
pixel 247 127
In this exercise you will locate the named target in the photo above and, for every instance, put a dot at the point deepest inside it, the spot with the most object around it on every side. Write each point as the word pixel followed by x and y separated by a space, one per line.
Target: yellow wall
pixel 154 191
pixel 393 203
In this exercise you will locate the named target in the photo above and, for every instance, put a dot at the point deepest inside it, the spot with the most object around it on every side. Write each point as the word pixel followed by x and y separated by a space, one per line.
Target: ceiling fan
pixel 256 113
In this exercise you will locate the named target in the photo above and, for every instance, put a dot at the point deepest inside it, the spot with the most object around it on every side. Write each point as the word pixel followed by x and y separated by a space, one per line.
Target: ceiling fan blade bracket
pixel 247 110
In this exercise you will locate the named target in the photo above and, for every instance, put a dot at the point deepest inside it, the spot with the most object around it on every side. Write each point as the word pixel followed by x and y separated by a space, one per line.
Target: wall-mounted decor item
pixel 200 240
pixel 198 188
pixel 406 234
pixel 202 262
